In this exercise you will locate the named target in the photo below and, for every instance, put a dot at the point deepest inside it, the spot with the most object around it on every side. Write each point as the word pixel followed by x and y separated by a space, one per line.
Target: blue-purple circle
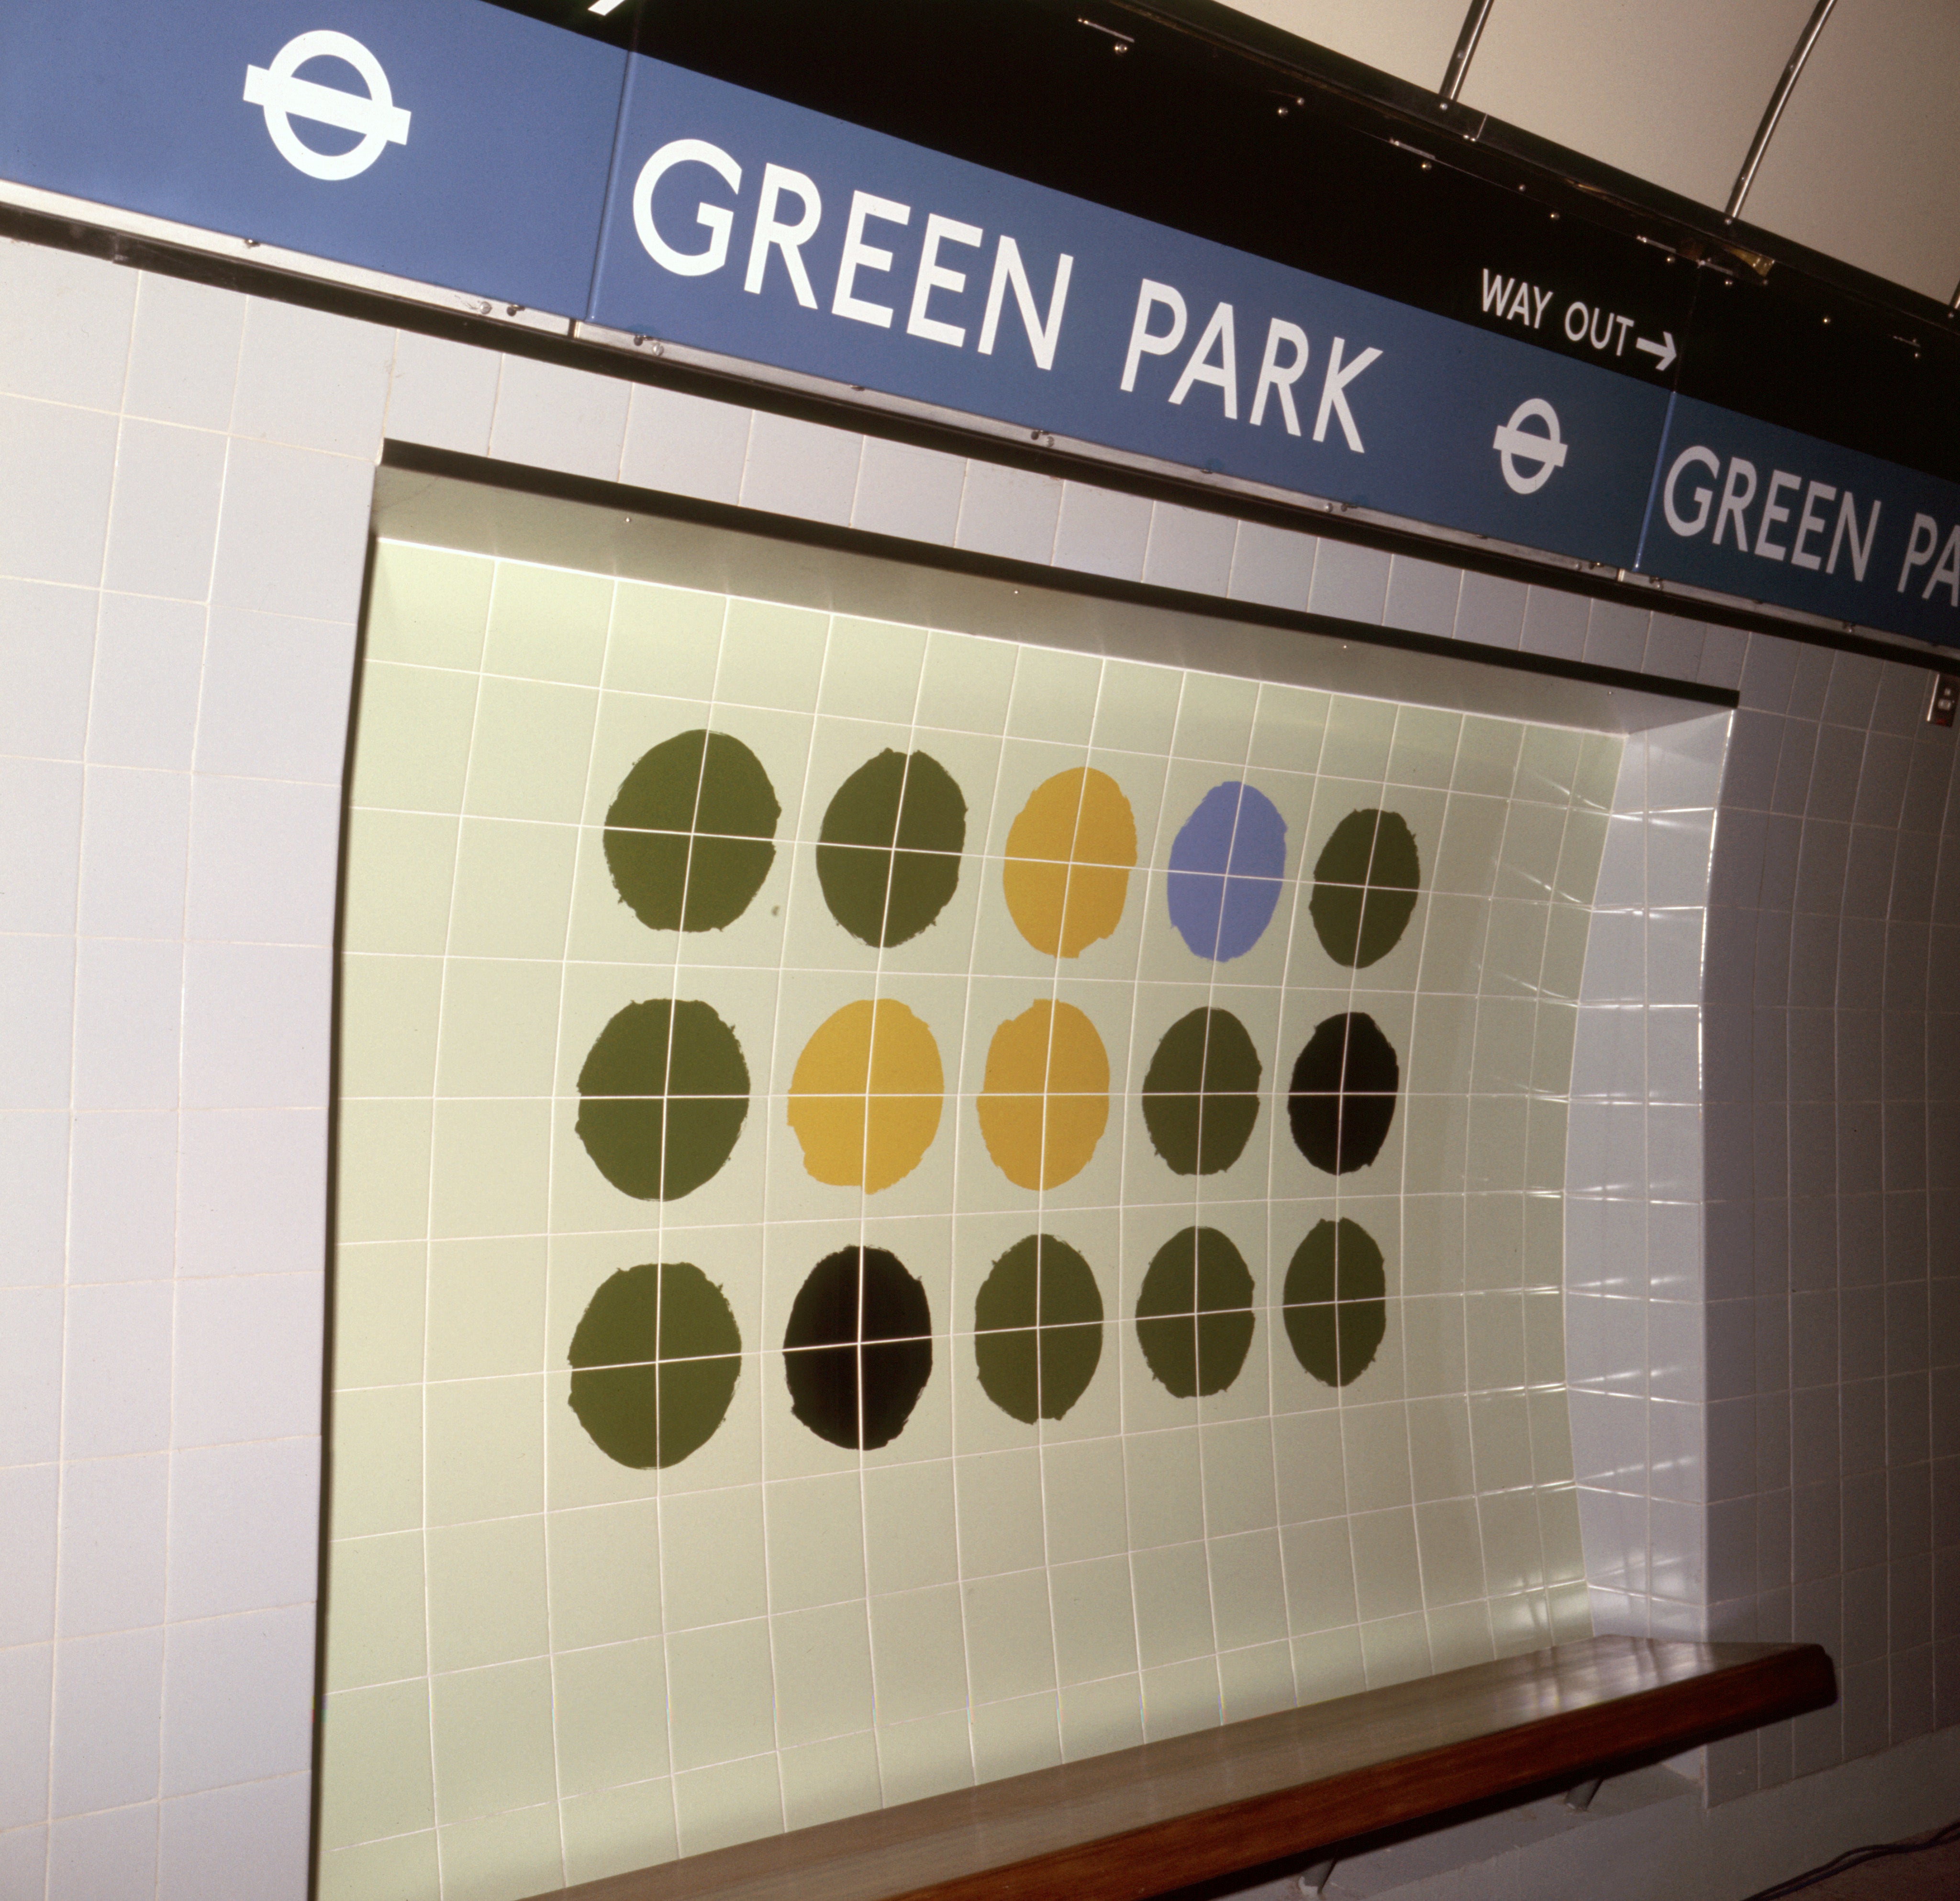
pixel 1225 871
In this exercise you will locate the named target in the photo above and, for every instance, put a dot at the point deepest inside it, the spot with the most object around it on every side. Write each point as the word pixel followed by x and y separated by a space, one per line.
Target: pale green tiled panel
pixel 732 1802
pixel 428 605
pixel 872 670
pixel 771 656
pixel 381 1294
pixel 499 1027
pixel 1395 1649
pixel 412 740
pixel 486 1593
pixel 926 1758
pixel 771 1597
pixel 1094 1619
pixel 822 1673
pixel 610 1705
pixel 604 1569
pixel 377 1439
pixel 911 1539
pixel 388 1010
pixel 1359 733
pixel 720 1692
pixel 493 1739
pixel 401 871
pixel 918 1653
pixel 1010 1647
pixel 965 683
pixel 1173 1593
pixel 1179 1698
pixel 384 1870
pixel 513 889
pixel 823 1782
pixel 1248 1590
pixel 715 1568
pixel 1017 1738
pixel 485 1447
pixel 618 1831
pixel 500 1857
pixel 547 623
pixel 374 1760
pixel 486 1307
pixel 664 640
pixel 377 1633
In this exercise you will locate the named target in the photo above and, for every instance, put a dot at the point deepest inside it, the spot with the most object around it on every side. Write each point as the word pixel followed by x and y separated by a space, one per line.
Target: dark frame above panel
pixel 438 496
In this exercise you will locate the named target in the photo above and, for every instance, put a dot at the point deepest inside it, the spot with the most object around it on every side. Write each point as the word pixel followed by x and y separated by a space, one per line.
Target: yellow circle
pixel 1069 854
pixel 1044 1102
pixel 866 1096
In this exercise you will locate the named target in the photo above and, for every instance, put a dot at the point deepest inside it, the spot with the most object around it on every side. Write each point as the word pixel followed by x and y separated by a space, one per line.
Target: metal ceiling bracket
pixel 1778 99
pixel 1466 45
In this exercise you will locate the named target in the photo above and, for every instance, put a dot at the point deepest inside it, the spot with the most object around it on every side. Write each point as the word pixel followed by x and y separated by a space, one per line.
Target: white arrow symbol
pixel 1663 351
pixel 281 91
pixel 1514 445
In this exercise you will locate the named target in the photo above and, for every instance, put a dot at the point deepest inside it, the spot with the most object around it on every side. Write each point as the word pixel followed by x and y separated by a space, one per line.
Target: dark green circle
pixel 1038 1329
pixel 857 1350
pixel 688 834
pixel 1364 887
pixel 888 853
pixel 1193 1313
pixel 664 1093
pixel 1335 1302
pixel 1343 1098
pixel 1201 1092
pixel 656 1357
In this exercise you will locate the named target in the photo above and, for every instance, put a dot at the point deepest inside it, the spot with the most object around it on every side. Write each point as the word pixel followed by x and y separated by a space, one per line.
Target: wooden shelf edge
pixel 1140 1822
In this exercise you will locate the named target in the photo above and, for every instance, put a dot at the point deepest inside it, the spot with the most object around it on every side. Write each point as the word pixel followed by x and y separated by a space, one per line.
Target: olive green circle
pixel 1201 1092
pixel 664 1093
pixel 1193 1313
pixel 1038 1329
pixel 888 852
pixel 688 834
pixel 655 1359
pixel 1364 887
pixel 1335 1302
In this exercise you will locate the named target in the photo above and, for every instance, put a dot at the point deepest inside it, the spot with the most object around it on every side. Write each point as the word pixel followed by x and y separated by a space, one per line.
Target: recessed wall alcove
pixel 936 1172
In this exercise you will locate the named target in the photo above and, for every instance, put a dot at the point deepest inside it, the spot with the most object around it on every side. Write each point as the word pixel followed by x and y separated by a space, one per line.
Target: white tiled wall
pixel 187 475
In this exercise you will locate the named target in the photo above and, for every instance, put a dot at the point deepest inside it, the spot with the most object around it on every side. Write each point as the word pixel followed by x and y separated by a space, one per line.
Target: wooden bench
pixel 1140 1822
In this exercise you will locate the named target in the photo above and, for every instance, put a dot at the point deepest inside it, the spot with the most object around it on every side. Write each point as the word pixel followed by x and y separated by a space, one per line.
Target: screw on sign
pixel 1515 443
pixel 284 96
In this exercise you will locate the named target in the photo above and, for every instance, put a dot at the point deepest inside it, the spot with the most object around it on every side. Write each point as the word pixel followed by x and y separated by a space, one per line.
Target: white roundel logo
pixel 286 97
pixel 1515 443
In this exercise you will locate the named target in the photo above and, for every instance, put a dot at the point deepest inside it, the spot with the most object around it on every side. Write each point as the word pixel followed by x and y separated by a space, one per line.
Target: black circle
pixel 1364 887
pixel 857 1350
pixel 1335 1301
pixel 688 835
pixel 1343 1098
pixel 888 853
pixel 1193 1313
pixel 1201 1092
pixel 656 1356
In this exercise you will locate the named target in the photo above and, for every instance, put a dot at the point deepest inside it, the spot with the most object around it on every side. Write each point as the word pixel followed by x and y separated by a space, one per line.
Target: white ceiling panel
pixel 1672 90
pixel 1864 164
pixel 1412 39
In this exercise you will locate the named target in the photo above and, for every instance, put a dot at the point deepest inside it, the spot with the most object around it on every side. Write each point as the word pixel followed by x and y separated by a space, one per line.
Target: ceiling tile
pixel 1412 39
pixel 1672 90
pixel 1864 164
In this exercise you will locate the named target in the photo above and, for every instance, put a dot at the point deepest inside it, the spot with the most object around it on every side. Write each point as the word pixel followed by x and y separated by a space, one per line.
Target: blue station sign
pixel 456 143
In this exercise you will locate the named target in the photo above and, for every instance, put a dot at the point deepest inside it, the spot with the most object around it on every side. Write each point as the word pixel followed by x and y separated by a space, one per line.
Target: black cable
pixel 1856 1858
